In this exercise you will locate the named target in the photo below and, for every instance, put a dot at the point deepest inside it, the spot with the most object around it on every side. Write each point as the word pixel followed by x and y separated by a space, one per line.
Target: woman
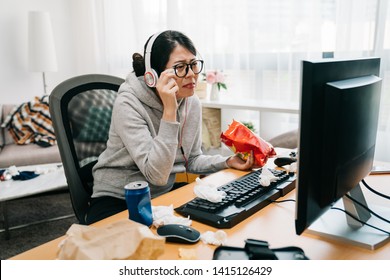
pixel 155 131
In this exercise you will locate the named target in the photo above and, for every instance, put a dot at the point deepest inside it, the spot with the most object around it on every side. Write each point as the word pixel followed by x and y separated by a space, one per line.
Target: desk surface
pixel 274 223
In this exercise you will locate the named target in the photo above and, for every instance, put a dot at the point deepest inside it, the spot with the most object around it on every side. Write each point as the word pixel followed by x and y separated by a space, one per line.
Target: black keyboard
pixel 245 196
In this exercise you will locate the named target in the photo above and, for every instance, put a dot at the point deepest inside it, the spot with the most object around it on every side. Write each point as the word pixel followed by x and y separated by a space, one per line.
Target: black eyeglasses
pixel 181 69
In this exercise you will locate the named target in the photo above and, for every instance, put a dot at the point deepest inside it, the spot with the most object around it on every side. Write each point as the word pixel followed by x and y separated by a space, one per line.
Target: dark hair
pixel 161 51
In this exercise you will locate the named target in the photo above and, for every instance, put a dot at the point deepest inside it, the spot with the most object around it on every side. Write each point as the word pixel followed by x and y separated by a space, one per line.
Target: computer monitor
pixel 337 134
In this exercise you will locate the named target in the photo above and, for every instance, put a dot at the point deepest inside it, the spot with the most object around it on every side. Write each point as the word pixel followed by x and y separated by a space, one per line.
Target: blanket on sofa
pixel 31 123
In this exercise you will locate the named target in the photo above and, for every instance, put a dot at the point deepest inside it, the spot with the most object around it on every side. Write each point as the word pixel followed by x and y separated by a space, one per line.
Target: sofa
pixel 22 155
pixel 287 140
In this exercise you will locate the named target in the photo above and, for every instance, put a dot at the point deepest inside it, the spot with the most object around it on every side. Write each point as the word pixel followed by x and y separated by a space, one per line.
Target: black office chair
pixel 80 109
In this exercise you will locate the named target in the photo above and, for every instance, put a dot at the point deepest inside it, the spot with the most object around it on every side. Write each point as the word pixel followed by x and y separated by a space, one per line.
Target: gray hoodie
pixel 143 147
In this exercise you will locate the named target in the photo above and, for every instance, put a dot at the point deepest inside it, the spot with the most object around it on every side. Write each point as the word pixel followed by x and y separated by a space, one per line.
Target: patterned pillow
pixel 96 126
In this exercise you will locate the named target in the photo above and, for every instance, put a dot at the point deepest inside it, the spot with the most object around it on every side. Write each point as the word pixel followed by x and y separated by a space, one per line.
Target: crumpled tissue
pixel 163 215
pixel 266 177
pixel 208 192
pixel 46 170
pixel 215 238
pixel 13 170
pixel 293 167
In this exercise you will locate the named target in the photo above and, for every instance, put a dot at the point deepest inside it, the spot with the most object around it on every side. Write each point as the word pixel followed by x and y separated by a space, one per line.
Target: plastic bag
pixel 124 239
pixel 241 140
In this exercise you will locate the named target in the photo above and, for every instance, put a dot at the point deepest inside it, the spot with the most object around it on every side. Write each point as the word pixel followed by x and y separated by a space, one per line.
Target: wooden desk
pixel 275 224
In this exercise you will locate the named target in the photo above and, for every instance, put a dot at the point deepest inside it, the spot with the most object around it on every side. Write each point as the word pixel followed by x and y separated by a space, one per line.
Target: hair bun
pixel 137 56
pixel 138 64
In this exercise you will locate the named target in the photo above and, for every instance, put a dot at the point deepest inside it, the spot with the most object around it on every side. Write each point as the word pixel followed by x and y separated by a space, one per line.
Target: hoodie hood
pixel 136 86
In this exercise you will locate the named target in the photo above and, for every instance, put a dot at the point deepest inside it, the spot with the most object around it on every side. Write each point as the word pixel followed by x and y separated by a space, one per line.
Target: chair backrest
pixel 80 109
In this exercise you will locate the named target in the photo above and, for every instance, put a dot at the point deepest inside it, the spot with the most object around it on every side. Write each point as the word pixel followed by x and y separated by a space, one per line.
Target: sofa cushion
pixel 31 154
pixel 5 137
pixel 287 140
pixel 6 110
pixel 1 129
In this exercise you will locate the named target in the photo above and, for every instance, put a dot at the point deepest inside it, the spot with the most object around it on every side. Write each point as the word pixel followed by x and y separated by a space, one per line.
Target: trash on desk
pixel 121 240
pixel 47 169
pixel 214 238
pixel 13 170
pixel 13 173
pixel 293 167
pixel 207 192
pixel 241 140
pixel 266 177
pixel 5 175
pixel 25 175
pixel 164 215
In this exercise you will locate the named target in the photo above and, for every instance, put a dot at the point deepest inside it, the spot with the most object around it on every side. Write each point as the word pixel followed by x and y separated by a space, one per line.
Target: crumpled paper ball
pixel 164 215
pixel 214 238
pixel 208 192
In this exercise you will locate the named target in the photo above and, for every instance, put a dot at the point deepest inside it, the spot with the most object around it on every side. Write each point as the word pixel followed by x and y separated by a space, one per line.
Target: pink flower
pixel 215 77
pixel 211 77
pixel 219 77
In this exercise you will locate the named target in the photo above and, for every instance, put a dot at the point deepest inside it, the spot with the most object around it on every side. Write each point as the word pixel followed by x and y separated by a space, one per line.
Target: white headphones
pixel 150 75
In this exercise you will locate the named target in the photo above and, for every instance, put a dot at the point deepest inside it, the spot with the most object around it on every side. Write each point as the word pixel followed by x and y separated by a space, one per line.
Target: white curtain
pixel 257 43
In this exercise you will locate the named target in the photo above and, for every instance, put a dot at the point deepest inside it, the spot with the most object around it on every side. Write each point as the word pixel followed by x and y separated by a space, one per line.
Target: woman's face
pixel 186 84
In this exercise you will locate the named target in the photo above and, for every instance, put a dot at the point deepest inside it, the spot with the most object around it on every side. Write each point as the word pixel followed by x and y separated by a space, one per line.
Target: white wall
pixel 17 83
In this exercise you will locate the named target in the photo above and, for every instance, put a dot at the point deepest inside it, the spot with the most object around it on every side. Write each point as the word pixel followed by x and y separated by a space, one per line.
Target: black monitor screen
pixel 338 126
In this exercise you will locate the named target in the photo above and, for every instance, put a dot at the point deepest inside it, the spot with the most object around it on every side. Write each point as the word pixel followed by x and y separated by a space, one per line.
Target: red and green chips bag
pixel 241 140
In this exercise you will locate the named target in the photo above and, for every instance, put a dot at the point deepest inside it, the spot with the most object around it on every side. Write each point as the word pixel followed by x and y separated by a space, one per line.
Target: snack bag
pixel 241 140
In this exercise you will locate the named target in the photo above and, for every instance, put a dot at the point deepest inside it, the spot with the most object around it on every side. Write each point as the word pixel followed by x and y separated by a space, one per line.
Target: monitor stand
pixel 336 225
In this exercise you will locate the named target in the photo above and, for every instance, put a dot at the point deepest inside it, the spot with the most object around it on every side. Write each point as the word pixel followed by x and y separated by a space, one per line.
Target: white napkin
pixel 208 192
pixel 13 170
pixel 163 215
pixel 266 177
pixel 47 169
pixel 293 167
pixel 215 238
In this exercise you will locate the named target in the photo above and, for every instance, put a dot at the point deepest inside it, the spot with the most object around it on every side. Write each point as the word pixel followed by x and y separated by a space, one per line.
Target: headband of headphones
pixel 150 75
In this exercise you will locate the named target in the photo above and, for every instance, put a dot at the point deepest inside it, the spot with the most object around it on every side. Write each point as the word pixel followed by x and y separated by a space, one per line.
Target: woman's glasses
pixel 181 69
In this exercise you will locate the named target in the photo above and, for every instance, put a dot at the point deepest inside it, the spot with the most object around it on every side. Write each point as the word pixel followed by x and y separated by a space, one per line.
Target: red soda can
pixel 137 196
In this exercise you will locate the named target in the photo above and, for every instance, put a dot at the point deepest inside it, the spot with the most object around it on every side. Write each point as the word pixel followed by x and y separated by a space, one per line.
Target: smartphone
pixel 380 169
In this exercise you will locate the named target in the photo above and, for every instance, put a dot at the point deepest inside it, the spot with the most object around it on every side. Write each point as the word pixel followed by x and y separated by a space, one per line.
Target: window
pixel 260 39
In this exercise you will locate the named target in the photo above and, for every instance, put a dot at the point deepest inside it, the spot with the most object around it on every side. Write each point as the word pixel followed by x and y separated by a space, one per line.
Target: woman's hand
pixel 237 163
pixel 167 89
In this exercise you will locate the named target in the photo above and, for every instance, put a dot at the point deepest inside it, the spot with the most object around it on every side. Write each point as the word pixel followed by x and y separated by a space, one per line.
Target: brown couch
pixel 22 155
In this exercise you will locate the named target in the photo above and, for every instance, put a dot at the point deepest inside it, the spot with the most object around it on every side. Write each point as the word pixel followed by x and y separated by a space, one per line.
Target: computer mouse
pixel 282 161
pixel 177 233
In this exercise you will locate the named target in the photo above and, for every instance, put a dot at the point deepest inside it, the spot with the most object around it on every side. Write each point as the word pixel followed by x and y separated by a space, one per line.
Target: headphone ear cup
pixel 151 78
pixel 150 75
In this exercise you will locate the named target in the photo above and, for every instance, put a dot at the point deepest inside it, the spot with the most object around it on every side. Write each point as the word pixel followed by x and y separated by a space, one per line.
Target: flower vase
pixel 214 93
